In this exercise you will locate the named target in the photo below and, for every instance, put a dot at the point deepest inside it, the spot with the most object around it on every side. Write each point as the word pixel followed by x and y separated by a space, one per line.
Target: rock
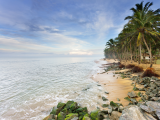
pixel 120 108
pixel 135 113
pixel 115 115
pixel 132 94
pixel 60 105
pixel 133 100
pixel 109 110
pixel 106 92
pixel 100 115
pixel 53 111
pixel 86 117
pixel 61 116
pixel 75 118
pixel 94 114
pixel 71 115
pixel 105 105
pixel 74 106
pixel 155 98
pixel 104 99
pixel 82 110
pixel 98 85
pixel 154 107
pixel 141 89
pixel 68 104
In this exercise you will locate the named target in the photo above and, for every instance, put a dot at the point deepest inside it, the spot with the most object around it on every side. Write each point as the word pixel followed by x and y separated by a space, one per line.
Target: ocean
pixel 30 87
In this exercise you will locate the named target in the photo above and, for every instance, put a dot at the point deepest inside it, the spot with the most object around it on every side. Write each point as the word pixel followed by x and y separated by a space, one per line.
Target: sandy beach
pixel 114 84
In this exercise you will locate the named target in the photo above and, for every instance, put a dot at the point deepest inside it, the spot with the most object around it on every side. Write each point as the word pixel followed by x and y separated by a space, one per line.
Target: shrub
pixel 137 69
pixel 130 66
pixel 121 66
pixel 149 72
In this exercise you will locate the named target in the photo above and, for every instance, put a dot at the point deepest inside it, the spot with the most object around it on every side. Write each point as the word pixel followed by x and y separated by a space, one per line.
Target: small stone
pixel 104 99
pixel 132 94
pixel 105 105
pixel 106 92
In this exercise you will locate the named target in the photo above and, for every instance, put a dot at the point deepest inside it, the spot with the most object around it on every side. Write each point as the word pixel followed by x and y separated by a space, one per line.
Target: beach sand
pixel 116 86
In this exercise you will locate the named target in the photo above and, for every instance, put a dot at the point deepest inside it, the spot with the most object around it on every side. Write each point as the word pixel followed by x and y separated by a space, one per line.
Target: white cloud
pixel 80 52
pixel 102 22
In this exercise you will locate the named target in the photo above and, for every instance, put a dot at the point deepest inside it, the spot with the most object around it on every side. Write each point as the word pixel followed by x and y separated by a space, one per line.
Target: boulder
pixel 68 104
pixel 133 112
pixel 153 107
pixel 74 106
pixel 115 115
pixel 71 116
pixel 61 116
pixel 60 105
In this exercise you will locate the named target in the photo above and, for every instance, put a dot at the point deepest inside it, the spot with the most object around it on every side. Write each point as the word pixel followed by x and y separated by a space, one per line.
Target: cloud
pixel 80 52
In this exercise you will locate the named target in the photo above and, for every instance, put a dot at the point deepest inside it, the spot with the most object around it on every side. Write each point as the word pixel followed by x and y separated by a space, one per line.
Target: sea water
pixel 30 87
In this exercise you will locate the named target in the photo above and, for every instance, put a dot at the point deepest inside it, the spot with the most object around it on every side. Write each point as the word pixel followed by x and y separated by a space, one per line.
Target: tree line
pixel 140 36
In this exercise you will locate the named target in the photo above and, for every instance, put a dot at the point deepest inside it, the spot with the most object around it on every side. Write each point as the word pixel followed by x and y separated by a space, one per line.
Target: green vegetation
pixel 139 37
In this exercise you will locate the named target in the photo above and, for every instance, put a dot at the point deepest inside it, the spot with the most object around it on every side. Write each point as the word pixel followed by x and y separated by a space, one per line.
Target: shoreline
pixel 117 88
pixel 142 94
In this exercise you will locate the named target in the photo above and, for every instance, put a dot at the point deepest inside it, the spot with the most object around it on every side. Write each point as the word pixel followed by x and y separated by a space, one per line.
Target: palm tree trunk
pixel 140 52
pixel 131 51
pixel 150 54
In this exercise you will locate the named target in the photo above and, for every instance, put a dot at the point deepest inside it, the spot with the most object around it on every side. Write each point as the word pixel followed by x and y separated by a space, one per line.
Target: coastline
pixel 117 88
pixel 129 96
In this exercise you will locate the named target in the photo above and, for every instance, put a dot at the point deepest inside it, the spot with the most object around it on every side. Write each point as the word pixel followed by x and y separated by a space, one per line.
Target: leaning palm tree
pixel 143 23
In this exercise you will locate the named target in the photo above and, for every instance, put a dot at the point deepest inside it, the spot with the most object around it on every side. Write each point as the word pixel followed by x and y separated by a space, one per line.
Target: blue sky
pixel 61 27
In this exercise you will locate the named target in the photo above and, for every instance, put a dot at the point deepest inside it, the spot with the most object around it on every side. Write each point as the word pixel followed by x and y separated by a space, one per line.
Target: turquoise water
pixel 30 87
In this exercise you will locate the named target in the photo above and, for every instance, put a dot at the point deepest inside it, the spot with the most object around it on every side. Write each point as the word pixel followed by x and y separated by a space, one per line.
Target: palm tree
pixel 143 23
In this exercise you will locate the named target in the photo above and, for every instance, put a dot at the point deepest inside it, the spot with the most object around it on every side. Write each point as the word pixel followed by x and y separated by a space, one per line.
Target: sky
pixel 61 28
